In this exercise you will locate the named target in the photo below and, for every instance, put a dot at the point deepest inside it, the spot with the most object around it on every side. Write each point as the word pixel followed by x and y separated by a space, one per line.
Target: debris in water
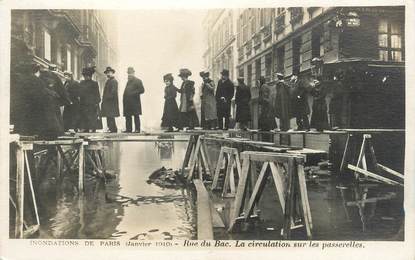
pixel 153 230
pixel 166 178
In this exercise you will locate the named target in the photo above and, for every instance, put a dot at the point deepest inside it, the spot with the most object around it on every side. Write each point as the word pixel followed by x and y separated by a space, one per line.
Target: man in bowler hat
pixel 224 95
pixel 132 101
pixel 109 106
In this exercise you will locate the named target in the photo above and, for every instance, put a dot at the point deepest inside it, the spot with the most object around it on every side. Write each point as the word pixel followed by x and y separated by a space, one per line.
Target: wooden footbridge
pixel 241 152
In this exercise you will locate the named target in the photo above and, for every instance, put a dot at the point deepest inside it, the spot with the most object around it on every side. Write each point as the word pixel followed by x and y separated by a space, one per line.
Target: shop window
pixel 390 41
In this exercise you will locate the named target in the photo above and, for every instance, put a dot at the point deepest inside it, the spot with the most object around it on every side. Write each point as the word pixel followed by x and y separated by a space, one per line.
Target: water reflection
pixel 126 207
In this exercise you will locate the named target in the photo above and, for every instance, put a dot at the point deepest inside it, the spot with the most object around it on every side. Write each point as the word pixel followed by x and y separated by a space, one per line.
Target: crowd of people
pixel 42 94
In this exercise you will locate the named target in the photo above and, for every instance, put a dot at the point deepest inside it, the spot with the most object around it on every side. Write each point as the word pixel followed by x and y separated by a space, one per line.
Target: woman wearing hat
pixel 171 111
pixel 89 100
pixel 208 106
pixel 188 116
pixel 109 106
pixel 242 99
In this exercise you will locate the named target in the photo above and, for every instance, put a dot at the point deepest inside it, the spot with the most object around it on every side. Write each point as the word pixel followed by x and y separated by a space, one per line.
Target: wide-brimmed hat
pixel 225 72
pixel 204 74
pixel 168 77
pixel 53 67
pixel 240 78
pixel 280 75
pixel 108 69
pixel 130 70
pixel 67 73
pixel 88 71
pixel 184 73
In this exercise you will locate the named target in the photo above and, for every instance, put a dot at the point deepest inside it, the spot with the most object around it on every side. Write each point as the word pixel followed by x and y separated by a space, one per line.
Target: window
pixel 280 59
pixel 268 65
pixel 68 59
pixel 47 46
pixel 317 48
pixel 257 69
pixel 390 41
pixel 296 55
pixel 249 72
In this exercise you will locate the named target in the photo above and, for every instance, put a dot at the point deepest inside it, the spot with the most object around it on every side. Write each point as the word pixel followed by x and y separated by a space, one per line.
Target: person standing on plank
pixel 89 100
pixel 71 112
pixel 109 106
pixel 188 116
pixel 132 101
pixel 208 107
pixel 242 100
pixel 171 111
pixel 224 95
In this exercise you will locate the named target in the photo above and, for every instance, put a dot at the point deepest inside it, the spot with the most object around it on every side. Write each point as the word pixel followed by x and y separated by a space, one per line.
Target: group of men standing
pixel 40 94
pixel 84 112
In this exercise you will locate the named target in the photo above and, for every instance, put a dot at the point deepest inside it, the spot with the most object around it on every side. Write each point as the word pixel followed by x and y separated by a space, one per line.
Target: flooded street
pixel 127 207
pixel 130 207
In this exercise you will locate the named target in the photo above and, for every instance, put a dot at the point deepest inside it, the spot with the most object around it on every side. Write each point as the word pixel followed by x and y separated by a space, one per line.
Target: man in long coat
pixel 71 112
pixel 132 101
pixel 89 100
pixel 299 104
pixel 109 106
pixel 224 95
pixel 282 103
pixel 208 107
pixel 242 100
pixel 188 116
pixel 266 120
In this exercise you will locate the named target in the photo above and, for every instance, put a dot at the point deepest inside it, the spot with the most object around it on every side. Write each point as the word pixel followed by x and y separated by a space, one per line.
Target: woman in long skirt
pixel 242 99
pixel 170 117
pixel 208 102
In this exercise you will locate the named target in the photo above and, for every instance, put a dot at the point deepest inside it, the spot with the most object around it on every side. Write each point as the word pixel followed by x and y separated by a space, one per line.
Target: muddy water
pixel 127 207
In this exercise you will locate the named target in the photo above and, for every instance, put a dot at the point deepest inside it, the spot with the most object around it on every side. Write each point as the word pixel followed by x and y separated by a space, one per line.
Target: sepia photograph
pixel 265 125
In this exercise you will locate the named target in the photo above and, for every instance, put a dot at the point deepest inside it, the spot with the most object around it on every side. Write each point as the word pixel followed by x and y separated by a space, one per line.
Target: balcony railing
pixel 266 32
pixel 257 40
pixel 296 14
pixel 280 24
pixel 241 53
pixel 248 47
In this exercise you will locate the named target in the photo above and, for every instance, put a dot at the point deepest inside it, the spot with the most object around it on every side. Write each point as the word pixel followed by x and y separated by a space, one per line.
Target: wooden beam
pixel 389 170
pixel 373 175
pixel 81 165
pixel 19 192
pixel 32 190
pixel 257 191
pixel 217 170
pixel 204 214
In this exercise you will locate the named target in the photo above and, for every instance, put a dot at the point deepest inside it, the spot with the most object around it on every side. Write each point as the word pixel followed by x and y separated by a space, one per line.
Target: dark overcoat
pixel 282 101
pixel 208 99
pixel 131 97
pixel 319 118
pixel 30 105
pixel 242 99
pixel 171 111
pixel 299 103
pixel 71 112
pixel 109 106
pixel 225 89
pixel 89 102
pixel 267 115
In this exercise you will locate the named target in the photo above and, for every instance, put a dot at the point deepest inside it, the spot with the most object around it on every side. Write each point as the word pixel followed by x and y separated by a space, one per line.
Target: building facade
pixel 70 39
pixel 364 44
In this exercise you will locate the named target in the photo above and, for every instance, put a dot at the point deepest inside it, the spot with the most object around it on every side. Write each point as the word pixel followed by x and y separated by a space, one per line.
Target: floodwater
pixel 127 207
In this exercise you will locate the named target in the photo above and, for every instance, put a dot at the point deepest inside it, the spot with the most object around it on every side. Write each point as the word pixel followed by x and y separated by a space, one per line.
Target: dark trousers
pixel 111 124
pixel 302 122
pixel 129 123
pixel 220 122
